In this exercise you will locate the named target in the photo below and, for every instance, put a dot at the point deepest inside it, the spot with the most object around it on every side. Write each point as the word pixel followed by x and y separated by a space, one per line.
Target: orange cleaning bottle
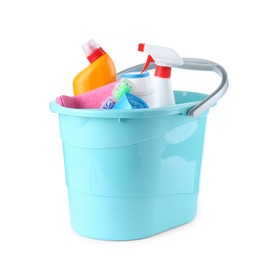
pixel 100 72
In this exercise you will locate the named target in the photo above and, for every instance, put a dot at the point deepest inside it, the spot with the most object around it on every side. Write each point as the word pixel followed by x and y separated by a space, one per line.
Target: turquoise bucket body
pixel 132 174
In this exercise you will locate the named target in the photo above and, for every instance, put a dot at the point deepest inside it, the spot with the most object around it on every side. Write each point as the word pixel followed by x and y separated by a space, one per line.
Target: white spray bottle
pixel 164 58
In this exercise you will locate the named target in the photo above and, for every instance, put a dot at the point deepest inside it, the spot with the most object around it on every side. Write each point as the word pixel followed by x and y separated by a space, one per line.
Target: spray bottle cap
pixel 163 57
pixel 92 50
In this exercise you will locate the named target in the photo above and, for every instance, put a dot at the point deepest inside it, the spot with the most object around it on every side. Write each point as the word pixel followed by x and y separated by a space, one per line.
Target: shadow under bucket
pixel 132 174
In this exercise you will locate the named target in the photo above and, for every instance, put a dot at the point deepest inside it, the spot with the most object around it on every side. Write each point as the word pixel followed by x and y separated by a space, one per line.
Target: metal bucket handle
pixel 196 64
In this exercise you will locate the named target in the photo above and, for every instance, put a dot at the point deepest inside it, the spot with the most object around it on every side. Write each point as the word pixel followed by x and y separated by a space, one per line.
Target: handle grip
pixel 196 64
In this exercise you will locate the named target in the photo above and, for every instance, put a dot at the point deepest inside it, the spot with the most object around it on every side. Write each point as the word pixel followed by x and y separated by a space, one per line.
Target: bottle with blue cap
pixel 143 86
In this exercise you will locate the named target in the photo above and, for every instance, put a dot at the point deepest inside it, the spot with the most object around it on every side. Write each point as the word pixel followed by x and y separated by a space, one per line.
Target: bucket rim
pixel 177 109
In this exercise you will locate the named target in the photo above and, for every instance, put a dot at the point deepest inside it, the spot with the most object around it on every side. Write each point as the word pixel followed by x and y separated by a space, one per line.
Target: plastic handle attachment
pixel 196 64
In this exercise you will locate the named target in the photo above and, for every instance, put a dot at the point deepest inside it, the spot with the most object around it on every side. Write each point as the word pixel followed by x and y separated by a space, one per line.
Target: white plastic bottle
pixel 143 86
pixel 164 59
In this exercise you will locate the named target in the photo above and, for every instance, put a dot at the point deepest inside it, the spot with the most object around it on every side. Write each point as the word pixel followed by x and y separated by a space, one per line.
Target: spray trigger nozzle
pixel 148 61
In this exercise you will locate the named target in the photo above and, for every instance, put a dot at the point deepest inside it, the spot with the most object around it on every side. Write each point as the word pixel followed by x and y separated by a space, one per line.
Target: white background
pixel 40 53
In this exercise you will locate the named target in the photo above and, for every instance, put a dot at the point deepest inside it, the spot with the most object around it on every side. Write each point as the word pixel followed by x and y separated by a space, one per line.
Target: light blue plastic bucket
pixel 132 174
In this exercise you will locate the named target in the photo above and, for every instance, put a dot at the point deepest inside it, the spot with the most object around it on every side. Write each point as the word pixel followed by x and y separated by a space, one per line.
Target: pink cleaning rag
pixel 91 99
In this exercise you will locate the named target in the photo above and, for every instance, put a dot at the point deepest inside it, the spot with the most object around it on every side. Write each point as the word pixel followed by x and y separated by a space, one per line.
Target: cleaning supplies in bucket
pixel 157 93
pixel 100 72
pixel 158 187
pixel 164 59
